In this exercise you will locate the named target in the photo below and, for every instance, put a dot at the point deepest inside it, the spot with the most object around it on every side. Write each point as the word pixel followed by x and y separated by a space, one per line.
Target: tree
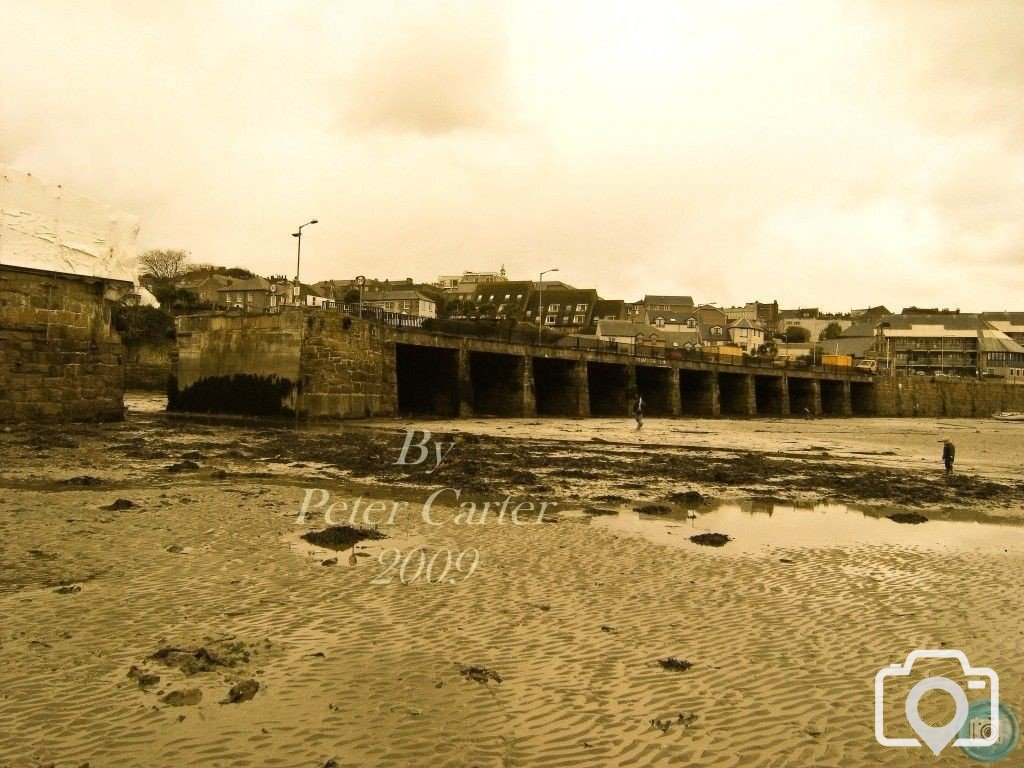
pixel 797 334
pixel 768 350
pixel 164 266
pixel 831 331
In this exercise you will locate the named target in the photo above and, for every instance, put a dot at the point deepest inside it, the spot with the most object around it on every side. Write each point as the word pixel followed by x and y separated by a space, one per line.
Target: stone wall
pixel 348 368
pixel 59 358
pixel 230 363
pixel 965 398
pixel 148 366
pixel 318 363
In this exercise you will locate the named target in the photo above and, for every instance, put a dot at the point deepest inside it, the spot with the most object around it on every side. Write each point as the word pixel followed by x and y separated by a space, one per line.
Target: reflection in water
pixel 758 526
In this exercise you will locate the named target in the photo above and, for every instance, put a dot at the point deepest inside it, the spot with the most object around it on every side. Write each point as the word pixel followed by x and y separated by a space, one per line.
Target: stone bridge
pixel 322 364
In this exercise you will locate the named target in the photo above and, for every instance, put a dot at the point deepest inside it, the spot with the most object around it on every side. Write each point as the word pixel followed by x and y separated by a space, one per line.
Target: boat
pixel 1008 416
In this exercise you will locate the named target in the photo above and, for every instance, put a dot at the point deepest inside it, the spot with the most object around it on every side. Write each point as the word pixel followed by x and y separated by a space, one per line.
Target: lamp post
pixel 540 303
pixel 298 255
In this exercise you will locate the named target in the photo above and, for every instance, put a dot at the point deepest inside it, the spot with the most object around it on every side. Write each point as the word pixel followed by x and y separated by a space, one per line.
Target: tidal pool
pixel 761 527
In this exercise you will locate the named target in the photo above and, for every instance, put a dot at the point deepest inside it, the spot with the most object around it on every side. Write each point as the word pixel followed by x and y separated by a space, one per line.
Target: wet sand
pixel 548 654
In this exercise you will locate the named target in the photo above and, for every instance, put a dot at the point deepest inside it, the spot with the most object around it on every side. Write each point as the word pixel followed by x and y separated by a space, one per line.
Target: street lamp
pixel 298 256
pixel 540 303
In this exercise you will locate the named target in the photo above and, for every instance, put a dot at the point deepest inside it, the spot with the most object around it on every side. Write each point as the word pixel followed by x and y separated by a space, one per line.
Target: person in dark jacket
pixel 948 454
pixel 638 410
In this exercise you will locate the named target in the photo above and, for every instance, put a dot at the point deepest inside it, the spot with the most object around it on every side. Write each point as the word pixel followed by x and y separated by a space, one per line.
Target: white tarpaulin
pixel 43 226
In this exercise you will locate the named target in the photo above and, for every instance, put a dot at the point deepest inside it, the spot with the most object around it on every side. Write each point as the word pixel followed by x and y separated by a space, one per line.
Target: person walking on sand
pixel 638 410
pixel 948 454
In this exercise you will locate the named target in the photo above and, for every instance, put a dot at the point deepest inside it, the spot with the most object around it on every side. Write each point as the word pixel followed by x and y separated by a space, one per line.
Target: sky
pixel 817 152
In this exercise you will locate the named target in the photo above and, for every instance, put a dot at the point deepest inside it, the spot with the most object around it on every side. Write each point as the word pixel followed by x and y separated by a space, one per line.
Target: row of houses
pixel 915 341
pixel 937 343
pixel 260 294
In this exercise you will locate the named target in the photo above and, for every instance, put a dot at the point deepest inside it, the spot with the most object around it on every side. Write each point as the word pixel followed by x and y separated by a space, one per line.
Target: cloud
pixel 822 153
pixel 437 72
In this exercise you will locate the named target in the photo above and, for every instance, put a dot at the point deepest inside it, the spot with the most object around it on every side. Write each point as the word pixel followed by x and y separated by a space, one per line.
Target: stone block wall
pixel 313 363
pixel 148 366
pixel 59 358
pixel 962 398
pixel 242 364
pixel 348 368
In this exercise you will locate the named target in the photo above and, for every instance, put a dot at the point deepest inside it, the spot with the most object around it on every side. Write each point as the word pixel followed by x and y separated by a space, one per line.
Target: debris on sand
pixel 711 539
pixel 480 674
pixel 339 537
pixel 68 589
pixel 609 630
pixel 186 698
pixel 191 661
pixel 145 679
pixel 83 480
pixel 177 549
pixel 786 560
pixel 119 504
pixel 242 691
pixel 602 511
pixel 674 664
pixel 653 509
pixel 908 518
pixel 685 719
pixel 329 561
pixel 183 466
pixel 43 555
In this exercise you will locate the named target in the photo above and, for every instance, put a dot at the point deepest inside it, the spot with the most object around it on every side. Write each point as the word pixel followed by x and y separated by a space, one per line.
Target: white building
pixel 746 335
pixel 451 282
pixel 411 303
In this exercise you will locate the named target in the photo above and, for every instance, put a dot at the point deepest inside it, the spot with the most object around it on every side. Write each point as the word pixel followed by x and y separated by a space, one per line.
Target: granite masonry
pixel 60 360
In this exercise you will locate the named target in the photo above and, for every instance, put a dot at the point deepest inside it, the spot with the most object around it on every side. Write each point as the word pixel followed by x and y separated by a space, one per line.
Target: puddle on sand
pixel 825 525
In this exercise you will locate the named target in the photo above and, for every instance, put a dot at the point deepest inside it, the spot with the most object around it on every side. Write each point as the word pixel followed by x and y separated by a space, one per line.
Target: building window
pixel 551 319
pixel 552 307
pixel 405 305
pixel 716 331
pixel 518 296
pixel 659 322
pixel 578 319
pixel 581 307
pixel 691 323
pixel 507 296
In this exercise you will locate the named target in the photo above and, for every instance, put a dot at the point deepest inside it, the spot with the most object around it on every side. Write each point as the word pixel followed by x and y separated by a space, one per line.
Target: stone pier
pixel 316 363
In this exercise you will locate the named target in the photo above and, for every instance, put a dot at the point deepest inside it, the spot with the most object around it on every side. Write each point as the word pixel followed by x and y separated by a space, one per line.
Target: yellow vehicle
pixel 837 361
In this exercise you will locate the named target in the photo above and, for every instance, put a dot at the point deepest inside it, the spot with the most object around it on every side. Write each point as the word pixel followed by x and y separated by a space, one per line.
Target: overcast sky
pixel 825 153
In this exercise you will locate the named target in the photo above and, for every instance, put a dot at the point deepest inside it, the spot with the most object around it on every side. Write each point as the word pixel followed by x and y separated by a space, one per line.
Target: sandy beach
pixel 152 568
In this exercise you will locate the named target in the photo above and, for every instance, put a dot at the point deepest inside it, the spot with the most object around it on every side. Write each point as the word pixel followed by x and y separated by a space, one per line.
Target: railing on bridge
pixel 526 333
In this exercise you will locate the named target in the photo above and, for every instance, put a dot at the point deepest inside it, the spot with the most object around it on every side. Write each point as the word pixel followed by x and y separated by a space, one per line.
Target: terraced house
pixel 568 308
